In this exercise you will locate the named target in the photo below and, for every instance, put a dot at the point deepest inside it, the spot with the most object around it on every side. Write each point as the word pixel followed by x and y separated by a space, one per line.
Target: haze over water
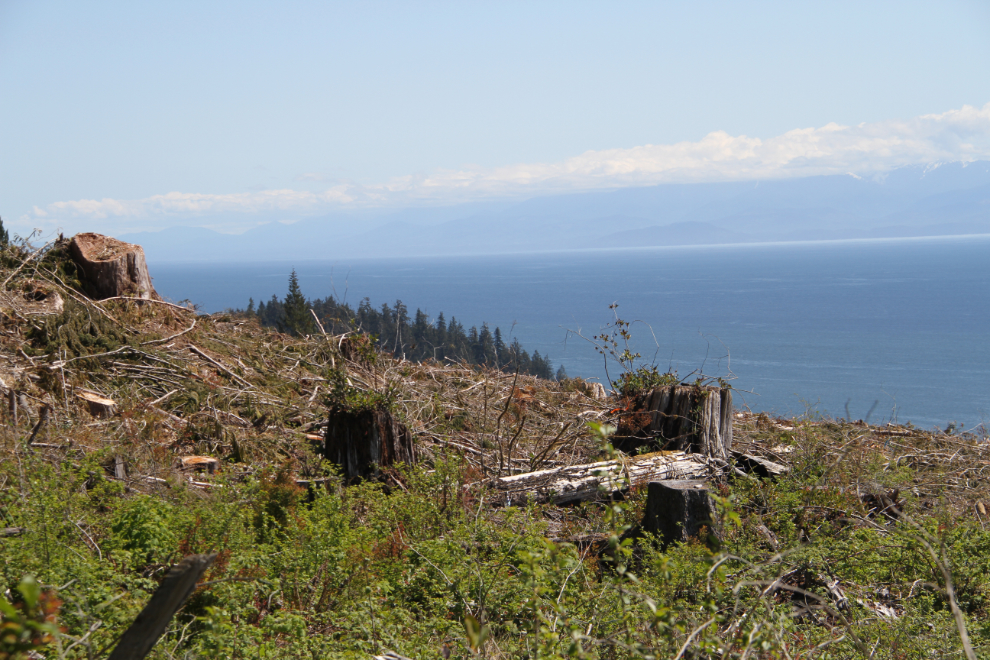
pixel 898 327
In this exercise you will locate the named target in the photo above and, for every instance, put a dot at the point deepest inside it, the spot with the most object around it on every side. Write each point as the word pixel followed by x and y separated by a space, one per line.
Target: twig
pixel 178 334
pixel 23 264
pixel 219 366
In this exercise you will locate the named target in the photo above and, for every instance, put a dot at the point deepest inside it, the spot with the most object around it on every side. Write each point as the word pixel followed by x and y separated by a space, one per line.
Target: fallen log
pixel 175 589
pixel 575 483
pixel 761 466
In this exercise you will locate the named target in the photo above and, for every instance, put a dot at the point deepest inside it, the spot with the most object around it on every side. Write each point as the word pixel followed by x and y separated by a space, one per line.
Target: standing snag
pixel 111 268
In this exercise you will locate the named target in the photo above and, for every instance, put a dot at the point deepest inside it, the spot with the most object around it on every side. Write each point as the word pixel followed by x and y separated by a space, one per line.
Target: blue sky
pixel 139 115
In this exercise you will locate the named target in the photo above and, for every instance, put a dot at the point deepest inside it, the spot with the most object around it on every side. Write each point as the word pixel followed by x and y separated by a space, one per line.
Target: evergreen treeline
pixel 414 337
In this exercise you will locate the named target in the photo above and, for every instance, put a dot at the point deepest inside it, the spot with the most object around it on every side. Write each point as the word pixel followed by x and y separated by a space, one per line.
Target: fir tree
pixel 297 318
pixel 4 235
pixel 499 348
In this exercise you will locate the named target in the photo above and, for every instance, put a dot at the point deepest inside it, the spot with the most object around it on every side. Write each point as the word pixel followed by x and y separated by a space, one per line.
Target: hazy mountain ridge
pixel 912 201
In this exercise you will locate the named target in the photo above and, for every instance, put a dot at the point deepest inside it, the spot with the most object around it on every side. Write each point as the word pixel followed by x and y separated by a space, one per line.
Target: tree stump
pixel 98 406
pixel 363 441
pixel 678 510
pixel 111 268
pixel 686 418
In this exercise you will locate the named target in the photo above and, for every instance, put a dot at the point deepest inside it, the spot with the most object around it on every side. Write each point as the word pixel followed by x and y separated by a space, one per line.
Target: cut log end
pixel 111 268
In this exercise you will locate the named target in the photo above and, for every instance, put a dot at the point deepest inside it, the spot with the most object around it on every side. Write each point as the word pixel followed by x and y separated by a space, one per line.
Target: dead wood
pixel 574 483
pixel 683 417
pixel 149 625
pixel 111 268
pixel 362 442
pixel 679 510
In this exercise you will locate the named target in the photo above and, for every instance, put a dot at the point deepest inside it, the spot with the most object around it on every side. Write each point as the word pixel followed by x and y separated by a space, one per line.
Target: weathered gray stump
pixel 690 418
pixel 111 268
pixel 678 510
pixel 364 441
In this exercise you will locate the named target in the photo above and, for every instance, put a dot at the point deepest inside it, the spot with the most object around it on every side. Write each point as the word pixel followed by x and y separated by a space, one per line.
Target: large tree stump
pixel 111 268
pixel 686 418
pixel 362 442
pixel 678 510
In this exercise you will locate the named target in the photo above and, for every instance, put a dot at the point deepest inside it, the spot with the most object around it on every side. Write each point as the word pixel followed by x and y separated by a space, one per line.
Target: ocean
pixel 889 330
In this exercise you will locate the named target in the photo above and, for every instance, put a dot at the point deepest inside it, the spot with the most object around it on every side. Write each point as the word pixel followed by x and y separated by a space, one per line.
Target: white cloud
pixel 956 135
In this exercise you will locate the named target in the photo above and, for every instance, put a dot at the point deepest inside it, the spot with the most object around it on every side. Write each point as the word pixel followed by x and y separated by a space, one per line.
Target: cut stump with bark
pixel 111 268
pixel 678 510
pixel 684 417
pixel 362 442
pixel 99 406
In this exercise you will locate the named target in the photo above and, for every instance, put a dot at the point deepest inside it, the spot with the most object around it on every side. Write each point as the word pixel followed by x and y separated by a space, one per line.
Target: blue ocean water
pixel 896 329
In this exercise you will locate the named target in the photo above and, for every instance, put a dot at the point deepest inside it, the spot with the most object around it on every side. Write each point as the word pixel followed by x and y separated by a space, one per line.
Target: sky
pixel 130 116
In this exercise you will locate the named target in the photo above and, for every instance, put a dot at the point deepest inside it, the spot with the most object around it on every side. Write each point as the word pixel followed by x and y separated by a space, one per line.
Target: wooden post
pixel 149 625
pixel 684 417
pixel 363 441
pixel 111 267
pixel 678 510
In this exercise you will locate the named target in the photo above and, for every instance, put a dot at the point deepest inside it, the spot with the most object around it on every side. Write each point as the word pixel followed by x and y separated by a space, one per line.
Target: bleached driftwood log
pixel 690 418
pixel 575 483
pixel 111 267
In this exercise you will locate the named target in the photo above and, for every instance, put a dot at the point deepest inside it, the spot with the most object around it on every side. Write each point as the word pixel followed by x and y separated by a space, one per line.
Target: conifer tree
pixel 499 348
pixel 295 309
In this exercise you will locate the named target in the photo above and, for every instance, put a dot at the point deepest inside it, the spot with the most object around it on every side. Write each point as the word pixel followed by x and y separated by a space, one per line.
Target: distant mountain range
pixel 951 199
